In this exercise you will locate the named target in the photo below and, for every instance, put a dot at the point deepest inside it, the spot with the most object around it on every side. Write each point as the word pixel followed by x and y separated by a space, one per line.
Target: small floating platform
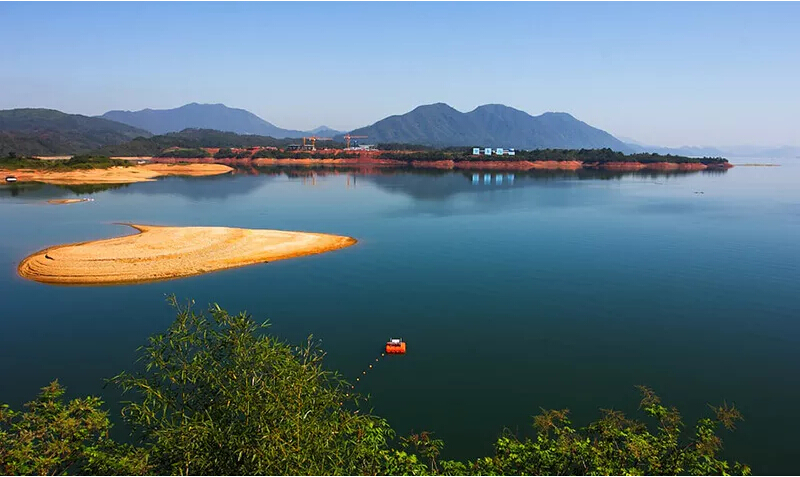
pixel 396 346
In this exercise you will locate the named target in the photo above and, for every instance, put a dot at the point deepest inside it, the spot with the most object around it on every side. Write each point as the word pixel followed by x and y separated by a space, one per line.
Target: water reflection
pixel 415 183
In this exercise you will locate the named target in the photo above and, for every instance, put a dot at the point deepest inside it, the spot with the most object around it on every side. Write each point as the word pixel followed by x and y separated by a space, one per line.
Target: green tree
pixel 54 437
pixel 219 396
pixel 616 445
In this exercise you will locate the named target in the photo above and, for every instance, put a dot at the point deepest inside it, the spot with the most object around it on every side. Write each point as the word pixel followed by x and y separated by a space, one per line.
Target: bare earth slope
pixel 160 253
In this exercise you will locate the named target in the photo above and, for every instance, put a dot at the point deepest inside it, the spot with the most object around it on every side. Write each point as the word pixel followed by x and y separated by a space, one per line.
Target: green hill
pixel 47 132
pixel 490 125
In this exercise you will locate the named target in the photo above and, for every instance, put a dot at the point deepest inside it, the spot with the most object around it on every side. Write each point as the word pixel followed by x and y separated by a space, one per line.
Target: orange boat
pixel 396 346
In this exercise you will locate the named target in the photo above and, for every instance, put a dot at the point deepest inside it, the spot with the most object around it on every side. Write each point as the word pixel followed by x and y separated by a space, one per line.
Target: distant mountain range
pixel 492 125
pixel 47 132
pixel 208 116
pixel 718 151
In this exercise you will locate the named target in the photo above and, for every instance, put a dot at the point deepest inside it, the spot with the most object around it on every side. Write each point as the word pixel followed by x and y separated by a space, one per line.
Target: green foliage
pixel 217 395
pixel 228 153
pixel 615 445
pixel 46 132
pixel 184 153
pixel 92 162
pixel 51 437
pixel 13 162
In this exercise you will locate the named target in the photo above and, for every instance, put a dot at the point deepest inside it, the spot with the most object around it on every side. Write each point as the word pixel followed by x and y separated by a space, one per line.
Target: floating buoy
pixel 396 346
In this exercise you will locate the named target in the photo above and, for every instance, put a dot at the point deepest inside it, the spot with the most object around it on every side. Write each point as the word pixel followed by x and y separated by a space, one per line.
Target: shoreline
pixel 116 174
pixel 456 165
pixel 155 253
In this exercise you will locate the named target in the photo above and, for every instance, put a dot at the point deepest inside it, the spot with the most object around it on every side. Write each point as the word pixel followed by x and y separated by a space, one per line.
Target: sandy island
pixel 116 175
pixel 66 201
pixel 161 253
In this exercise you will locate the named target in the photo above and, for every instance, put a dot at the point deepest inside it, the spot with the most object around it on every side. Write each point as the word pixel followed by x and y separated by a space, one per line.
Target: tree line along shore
pixel 448 158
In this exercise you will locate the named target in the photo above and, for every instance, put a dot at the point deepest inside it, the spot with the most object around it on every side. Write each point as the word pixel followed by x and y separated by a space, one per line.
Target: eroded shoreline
pixel 161 253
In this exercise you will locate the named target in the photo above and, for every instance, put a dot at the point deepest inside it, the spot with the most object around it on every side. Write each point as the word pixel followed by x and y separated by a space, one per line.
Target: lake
pixel 514 292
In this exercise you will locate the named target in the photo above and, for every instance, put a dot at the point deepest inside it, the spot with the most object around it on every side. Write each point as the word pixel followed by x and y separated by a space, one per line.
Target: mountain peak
pixel 558 114
pixel 495 107
pixel 202 116
pixel 496 125
pixel 435 107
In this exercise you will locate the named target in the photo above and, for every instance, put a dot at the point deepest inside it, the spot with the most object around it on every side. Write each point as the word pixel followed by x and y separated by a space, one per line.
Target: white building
pixel 488 151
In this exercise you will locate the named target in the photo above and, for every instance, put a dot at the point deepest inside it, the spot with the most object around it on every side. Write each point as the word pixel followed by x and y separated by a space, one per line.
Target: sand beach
pixel 161 253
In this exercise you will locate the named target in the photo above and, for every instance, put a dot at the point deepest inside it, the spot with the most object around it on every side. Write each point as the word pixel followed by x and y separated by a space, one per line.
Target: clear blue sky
pixel 661 73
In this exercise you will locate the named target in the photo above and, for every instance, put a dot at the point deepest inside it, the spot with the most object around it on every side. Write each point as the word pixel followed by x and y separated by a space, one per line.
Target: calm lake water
pixel 554 290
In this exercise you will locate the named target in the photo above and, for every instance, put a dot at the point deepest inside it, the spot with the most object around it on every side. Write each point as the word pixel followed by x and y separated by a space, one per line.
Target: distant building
pixel 488 151
pixel 294 147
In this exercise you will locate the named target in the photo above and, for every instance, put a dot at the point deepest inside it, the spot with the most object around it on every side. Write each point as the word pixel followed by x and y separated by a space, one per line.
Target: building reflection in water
pixel 498 179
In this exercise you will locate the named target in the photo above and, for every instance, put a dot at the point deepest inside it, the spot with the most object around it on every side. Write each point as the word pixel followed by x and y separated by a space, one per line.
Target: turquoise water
pixel 548 290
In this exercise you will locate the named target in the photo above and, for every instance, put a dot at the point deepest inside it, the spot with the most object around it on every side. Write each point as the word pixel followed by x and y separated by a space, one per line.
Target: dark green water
pixel 556 290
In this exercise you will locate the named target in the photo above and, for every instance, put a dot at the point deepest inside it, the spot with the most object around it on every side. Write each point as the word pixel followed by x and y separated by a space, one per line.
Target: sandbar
pixel 116 175
pixel 66 201
pixel 162 253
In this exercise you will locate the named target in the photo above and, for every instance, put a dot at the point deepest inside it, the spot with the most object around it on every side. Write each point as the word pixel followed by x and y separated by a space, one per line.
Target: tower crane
pixel 348 137
pixel 313 141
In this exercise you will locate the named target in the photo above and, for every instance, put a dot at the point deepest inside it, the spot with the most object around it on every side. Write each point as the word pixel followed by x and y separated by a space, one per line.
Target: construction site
pixel 310 144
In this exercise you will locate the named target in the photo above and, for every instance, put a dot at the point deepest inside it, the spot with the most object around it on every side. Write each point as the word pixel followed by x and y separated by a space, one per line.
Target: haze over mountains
pixel 207 116
pixel 717 151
